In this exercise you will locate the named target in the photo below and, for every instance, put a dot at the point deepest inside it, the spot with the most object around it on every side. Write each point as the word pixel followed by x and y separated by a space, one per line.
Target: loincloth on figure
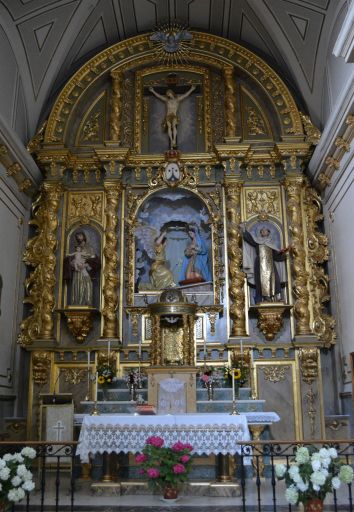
pixel 170 119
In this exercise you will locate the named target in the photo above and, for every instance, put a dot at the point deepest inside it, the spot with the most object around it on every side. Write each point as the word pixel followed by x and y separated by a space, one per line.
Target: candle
pixel 139 349
pixel 233 385
pixel 88 361
pixel 96 386
pixel 109 350
pixel 205 350
pixel 241 349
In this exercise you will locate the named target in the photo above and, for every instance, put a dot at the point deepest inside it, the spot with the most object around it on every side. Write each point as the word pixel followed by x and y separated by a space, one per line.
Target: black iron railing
pixel 56 469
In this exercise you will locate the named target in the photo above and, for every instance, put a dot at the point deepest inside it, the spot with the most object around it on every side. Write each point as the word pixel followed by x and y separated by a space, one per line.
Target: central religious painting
pixel 173 241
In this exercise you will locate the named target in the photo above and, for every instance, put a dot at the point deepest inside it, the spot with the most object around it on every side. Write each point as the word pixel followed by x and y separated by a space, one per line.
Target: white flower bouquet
pixel 312 474
pixel 15 477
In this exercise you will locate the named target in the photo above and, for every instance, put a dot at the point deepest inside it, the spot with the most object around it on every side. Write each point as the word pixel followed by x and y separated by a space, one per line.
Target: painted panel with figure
pixel 173 241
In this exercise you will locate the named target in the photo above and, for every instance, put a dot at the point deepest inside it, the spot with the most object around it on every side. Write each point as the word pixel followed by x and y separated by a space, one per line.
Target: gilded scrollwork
pixel 317 245
pixel 262 201
pixel 74 376
pixel 308 358
pixel 217 109
pixel 116 106
pixel 84 206
pixel 294 187
pixel 40 255
pixel 110 271
pixel 230 102
pixel 255 123
pixel 236 275
pixel 276 373
pixel 313 134
pixel 41 364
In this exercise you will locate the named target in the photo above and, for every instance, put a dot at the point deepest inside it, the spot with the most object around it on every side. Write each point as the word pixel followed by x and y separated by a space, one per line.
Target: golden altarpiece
pixel 167 176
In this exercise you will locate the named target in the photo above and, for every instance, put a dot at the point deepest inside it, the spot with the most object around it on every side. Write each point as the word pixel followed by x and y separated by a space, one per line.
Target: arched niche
pixel 271 100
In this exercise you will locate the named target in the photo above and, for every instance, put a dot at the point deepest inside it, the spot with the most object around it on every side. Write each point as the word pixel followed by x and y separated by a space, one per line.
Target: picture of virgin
pixel 81 268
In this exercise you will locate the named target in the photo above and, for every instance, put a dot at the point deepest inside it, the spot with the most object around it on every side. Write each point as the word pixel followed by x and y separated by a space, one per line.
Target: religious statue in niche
pixel 172 102
pixel 264 262
pixel 173 241
pixel 81 266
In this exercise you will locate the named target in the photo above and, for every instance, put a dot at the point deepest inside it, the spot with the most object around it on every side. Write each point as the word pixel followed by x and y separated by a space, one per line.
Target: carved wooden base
pixel 270 317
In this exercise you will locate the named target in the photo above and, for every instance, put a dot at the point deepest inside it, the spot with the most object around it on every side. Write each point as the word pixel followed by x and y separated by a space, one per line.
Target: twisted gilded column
pixel 234 244
pixel 116 105
pixel 294 187
pixel 230 102
pixel 40 254
pixel 156 349
pixel 110 272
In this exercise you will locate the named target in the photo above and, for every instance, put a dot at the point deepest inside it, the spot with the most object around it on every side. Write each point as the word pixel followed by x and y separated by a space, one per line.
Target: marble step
pixel 226 405
pixel 121 395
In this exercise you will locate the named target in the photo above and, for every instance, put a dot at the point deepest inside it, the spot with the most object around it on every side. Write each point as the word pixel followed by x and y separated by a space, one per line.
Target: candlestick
pixel 233 384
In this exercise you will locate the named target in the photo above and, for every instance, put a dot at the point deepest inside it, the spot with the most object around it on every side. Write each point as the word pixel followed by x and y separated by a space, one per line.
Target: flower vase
pixel 170 493
pixel 314 505
pixel 210 389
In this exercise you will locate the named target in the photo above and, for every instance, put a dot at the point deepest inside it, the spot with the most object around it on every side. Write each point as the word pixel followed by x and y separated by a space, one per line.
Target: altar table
pixel 207 433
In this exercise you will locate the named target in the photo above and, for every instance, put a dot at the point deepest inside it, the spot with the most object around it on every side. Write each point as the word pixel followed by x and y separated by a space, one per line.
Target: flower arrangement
pixel 165 466
pixel 105 374
pixel 15 477
pixel 210 375
pixel 240 372
pixel 135 377
pixel 313 474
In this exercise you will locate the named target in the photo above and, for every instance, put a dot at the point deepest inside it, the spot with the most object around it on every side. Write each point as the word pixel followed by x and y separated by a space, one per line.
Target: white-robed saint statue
pixel 264 263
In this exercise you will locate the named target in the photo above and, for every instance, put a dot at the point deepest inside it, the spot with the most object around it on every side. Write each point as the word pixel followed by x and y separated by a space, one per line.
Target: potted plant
pixel 165 467
pixel 15 477
pixel 311 475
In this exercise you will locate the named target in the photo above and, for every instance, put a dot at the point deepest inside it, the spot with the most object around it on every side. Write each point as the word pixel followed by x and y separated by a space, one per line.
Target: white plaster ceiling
pixel 50 39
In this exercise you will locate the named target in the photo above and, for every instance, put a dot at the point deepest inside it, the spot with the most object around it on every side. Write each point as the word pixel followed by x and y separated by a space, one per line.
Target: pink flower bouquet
pixel 164 466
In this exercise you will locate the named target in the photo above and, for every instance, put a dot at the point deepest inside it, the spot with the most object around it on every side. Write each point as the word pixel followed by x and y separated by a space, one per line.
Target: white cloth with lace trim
pixel 172 396
pixel 207 433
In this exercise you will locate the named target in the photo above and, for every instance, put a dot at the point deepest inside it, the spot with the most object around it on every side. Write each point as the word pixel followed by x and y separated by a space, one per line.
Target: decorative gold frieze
pixel 41 363
pixel 294 188
pixel 110 270
pixel 79 322
pixel 84 206
pixel 308 358
pixel 263 201
pixel 74 376
pixel 236 275
pixel 255 123
pixel 91 127
pixel 40 255
pixel 275 373
pixel 317 245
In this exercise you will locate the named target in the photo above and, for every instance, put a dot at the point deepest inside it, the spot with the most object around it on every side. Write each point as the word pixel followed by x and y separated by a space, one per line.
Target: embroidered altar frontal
pixel 214 434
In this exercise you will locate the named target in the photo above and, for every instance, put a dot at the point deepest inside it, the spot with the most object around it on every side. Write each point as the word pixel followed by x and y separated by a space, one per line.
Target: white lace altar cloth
pixel 207 433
